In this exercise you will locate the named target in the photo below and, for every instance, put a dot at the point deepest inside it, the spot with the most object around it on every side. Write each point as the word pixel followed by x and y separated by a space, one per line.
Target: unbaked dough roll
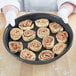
pixel 42 22
pixel 15 46
pixel 28 55
pixel 35 45
pixel 62 36
pixel 48 42
pixel 59 47
pixel 45 55
pixel 16 33
pixel 42 32
pixel 26 24
pixel 28 35
pixel 55 27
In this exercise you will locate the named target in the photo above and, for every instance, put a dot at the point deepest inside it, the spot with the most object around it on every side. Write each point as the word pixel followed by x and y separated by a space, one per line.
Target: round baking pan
pixel 33 17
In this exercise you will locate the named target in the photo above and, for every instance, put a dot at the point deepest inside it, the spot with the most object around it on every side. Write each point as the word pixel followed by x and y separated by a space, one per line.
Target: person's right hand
pixel 10 12
pixel 10 17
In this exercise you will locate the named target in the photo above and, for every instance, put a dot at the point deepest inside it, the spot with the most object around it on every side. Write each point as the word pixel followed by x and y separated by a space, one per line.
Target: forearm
pixel 7 8
pixel 9 5
pixel 61 2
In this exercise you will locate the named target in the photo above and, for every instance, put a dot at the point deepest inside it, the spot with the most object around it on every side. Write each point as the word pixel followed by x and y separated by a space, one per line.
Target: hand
pixel 63 14
pixel 65 10
pixel 10 18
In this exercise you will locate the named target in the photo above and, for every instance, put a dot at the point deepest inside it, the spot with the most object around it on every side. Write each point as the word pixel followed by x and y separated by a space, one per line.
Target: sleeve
pixel 60 2
pixel 9 2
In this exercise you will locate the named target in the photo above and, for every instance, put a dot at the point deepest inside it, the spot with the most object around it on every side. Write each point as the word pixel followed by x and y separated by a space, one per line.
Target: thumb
pixel 12 22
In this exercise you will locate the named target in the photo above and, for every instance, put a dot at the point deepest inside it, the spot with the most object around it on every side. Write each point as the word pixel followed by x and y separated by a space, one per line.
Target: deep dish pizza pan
pixel 33 17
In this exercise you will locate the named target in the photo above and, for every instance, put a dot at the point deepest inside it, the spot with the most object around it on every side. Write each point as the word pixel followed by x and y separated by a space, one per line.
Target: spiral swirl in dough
pixel 62 36
pixel 28 35
pixel 48 42
pixel 45 55
pixel 42 32
pixel 26 24
pixel 55 27
pixel 35 45
pixel 42 22
pixel 16 33
pixel 15 46
pixel 28 55
pixel 59 47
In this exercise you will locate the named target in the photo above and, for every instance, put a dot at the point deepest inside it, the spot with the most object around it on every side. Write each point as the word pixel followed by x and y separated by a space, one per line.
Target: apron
pixel 38 5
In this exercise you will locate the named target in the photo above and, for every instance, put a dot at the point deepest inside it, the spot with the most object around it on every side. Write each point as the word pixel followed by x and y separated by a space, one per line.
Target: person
pixel 10 8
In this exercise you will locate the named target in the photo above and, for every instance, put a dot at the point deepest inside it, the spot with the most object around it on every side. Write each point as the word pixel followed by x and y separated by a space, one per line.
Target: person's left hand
pixel 65 10
pixel 63 14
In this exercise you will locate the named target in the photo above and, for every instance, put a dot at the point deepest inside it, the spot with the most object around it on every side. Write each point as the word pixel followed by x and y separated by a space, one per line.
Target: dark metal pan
pixel 33 17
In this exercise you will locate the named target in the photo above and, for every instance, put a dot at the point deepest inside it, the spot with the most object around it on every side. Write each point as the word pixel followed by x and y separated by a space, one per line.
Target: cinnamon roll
pixel 28 55
pixel 59 47
pixel 42 32
pixel 48 42
pixel 15 46
pixel 42 22
pixel 28 35
pixel 35 45
pixel 55 27
pixel 26 25
pixel 16 33
pixel 62 36
pixel 45 55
